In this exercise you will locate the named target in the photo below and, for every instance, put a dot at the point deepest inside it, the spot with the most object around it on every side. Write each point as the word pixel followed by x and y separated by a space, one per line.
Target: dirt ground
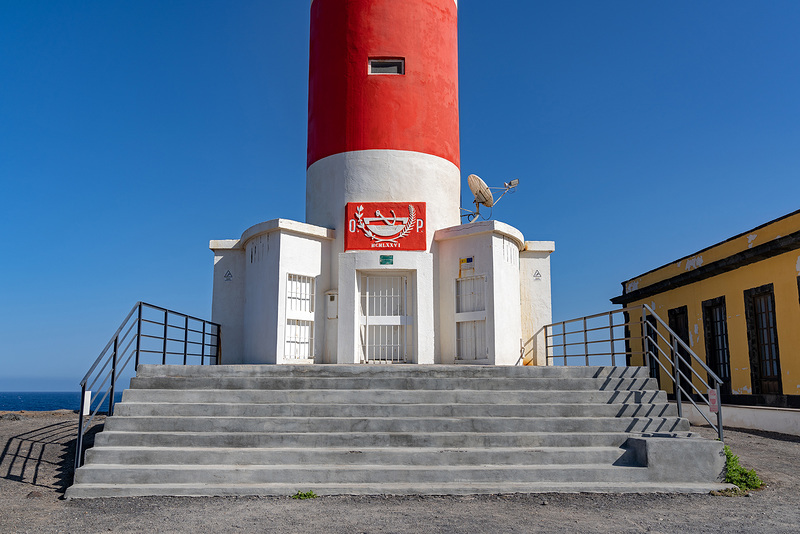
pixel 36 468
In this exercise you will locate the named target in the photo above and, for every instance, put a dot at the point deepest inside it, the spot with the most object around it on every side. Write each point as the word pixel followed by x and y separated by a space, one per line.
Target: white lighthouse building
pixel 382 270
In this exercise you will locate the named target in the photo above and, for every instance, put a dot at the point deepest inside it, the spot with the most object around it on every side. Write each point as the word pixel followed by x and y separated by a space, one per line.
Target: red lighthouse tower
pixel 383 113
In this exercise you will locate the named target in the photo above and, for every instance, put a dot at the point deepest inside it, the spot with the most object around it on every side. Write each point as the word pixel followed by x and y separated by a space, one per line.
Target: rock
pixel 11 417
pixel 34 495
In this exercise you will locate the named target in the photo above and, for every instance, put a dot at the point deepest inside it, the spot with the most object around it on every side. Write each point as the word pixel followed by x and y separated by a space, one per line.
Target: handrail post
pixel 203 346
pixel 676 381
pixel 185 338
pixel 564 341
pixel 611 335
pixel 113 377
pixel 646 340
pixel 164 352
pixel 219 345
pixel 79 441
pixel 138 337
pixel 585 342
pixel 719 413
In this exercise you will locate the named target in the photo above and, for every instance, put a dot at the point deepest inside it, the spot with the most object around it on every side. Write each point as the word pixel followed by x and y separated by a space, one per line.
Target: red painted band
pixel 349 109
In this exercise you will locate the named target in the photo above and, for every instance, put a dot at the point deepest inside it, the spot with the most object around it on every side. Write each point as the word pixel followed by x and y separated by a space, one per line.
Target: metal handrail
pixel 651 350
pixel 106 370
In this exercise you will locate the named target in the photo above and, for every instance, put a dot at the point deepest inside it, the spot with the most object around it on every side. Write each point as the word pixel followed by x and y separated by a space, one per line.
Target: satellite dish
pixel 483 195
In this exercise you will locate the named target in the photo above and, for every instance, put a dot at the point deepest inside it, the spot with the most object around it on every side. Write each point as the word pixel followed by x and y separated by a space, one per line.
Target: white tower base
pixel 481 297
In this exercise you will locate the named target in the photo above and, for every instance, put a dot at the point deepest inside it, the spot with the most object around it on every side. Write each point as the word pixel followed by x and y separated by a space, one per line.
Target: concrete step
pixel 142 409
pixel 397 424
pixel 359 440
pixel 396 429
pixel 387 396
pixel 364 456
pixel 309 475
pixel 396 383
pixel 89 491
pixel 395 370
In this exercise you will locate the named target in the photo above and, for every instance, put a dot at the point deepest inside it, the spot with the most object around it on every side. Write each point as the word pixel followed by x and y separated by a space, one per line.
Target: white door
pixel 386 320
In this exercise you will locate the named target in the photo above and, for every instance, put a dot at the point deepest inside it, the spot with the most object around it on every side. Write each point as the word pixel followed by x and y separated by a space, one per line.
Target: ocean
pixel 40 401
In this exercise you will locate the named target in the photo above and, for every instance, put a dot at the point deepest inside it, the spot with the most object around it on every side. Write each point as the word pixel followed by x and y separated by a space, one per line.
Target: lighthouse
pixel 382 270
pixel 383 110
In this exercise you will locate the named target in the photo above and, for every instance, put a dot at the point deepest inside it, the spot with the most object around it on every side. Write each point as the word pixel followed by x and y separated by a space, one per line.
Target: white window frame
pixel 372 60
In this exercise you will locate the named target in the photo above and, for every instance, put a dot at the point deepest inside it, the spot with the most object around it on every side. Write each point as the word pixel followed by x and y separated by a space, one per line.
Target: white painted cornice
pixel 481 227
pixel 274 225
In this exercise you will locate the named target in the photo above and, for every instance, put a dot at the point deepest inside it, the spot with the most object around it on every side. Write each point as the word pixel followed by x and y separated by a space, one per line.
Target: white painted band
pixel 382 176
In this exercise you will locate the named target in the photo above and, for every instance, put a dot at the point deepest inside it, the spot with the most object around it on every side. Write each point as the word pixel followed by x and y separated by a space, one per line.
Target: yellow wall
pixel 781 271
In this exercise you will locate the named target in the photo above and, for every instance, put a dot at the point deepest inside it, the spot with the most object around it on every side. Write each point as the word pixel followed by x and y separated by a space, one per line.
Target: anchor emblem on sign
pixel 383 229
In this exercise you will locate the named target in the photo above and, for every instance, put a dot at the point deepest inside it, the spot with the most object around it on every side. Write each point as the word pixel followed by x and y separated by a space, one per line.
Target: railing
pixel 149 334
pixel 635 333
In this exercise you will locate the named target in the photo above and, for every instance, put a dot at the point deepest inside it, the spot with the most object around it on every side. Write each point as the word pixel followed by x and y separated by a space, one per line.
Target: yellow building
pixel 737 304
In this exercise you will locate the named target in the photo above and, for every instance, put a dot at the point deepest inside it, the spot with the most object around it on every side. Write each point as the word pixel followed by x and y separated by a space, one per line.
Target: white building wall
pixel 494 248
pixel 228 297
pixel 261 300
pixel 452 248
pixel 306 257
pixel 535 298
pixel 381 176
pixel 250 303
pixel 504 320
pixel 251 306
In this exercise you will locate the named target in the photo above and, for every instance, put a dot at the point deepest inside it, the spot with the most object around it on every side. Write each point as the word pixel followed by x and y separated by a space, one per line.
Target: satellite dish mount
pixel 483 195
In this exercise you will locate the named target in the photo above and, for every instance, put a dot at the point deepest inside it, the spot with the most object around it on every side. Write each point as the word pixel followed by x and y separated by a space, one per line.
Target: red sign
pixel 384 225
pixel 713 401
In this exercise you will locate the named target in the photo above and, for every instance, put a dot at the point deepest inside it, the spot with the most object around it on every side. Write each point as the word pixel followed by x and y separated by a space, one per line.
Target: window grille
pixel 299 339
pixel 762 335
pixel 385 320
pixel 300 293
pixel 716 331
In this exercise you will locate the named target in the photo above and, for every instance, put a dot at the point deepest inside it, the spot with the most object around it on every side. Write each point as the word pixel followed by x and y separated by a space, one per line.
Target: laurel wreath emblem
pixel 412 219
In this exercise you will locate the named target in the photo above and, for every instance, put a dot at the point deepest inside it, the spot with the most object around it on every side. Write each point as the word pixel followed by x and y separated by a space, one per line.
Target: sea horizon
pixel 42 401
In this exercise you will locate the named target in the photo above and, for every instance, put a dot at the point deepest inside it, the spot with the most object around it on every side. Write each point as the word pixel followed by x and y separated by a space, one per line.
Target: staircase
pixel 394 429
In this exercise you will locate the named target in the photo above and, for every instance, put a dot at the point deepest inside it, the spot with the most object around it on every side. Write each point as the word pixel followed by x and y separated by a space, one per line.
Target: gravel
pixel 36 468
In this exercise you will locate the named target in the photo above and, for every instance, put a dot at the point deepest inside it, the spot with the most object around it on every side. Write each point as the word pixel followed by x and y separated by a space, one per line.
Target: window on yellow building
pixel 762 338
pixel 715 324
pixel 651 346
pixel 679 323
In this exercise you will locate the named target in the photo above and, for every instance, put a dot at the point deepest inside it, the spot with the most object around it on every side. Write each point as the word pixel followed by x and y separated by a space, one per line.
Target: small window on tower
pixel 387 66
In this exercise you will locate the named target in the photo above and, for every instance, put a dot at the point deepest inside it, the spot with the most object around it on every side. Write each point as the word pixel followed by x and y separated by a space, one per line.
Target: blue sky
pixel 132 132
